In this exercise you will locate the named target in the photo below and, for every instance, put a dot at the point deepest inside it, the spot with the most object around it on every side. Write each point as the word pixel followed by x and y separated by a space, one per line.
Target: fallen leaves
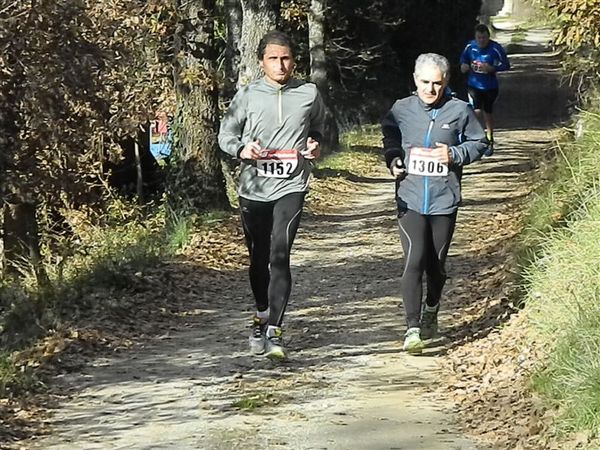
pixel 219 247
pixel 328 193
pixel 487 370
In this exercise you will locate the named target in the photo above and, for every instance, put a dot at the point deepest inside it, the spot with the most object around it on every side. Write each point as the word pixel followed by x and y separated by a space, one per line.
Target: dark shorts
pixel 482 99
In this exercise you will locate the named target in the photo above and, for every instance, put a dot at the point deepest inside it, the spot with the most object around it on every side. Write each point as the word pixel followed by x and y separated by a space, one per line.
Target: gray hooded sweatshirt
pixel 281 118
pixel 410 125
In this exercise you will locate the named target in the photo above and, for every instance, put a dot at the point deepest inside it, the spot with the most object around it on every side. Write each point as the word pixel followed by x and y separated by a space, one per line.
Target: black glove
pixel 399 164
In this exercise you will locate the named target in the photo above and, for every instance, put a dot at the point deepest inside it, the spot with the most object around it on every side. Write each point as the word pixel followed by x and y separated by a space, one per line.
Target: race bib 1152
pixel 422 163
pixel 277 163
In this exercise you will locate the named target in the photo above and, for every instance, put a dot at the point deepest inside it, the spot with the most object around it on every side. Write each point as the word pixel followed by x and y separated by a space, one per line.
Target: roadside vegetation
pixel 535 381
pixel 563 281
pixel 559 251
pixel 538 383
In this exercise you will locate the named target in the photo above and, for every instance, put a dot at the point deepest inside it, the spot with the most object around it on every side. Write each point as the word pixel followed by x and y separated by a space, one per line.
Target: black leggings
pixel 425 240
pixel 270 229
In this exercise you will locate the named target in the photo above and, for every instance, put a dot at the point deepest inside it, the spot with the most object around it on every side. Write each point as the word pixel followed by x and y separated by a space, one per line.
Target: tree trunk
pixel 259 16
pixel 316 42
pixel 318 70
pixel 197 183
pixel 233 16
pixel 20 237
pixel 21 242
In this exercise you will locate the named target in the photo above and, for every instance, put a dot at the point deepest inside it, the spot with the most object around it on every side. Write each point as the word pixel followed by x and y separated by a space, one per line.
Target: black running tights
pixel 425 240
pixel 270 229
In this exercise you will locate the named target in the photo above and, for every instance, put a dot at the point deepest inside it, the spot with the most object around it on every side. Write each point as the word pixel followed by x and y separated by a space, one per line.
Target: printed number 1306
pixel 427 166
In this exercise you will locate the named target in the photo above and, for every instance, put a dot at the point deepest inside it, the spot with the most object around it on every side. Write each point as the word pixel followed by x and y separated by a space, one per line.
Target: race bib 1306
pixel 422 163
pixel 277 163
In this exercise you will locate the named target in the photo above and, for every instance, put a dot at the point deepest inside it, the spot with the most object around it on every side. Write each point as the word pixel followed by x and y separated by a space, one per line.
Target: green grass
pixel 365 136
pixel 359 162
pixel 564 310
pixel 361 154
pixel 537 18
pixel 13 380
pixel 574 178
pixel 562 281
pixel 255 401
pixel 518 37
pixel 180 230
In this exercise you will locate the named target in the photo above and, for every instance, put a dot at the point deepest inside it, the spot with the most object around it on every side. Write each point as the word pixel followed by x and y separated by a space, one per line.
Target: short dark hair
pixel 482 28
pixel 274 37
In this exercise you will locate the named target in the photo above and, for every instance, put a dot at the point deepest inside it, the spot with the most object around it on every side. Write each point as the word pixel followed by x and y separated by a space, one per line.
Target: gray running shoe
pixel 490 150
pixel 412 341
pixel 257 336
pixel 429 323
pixel 274 346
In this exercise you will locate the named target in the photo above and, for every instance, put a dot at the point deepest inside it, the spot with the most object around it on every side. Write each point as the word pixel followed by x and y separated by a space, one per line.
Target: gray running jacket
pixel 281 118
pixel 413 124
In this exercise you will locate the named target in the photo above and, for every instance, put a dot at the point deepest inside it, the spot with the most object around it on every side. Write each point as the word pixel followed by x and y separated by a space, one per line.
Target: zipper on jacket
pixel 280 106
pixel 427 143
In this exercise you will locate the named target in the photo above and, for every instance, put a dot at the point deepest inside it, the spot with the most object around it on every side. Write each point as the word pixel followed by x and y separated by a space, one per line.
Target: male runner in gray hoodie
pixel 274 126
pixel 427 139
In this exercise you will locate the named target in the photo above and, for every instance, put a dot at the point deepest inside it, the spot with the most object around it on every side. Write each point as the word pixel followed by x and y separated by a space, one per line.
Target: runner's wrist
pixel 391 154
pixel 239 152
pixel 454 155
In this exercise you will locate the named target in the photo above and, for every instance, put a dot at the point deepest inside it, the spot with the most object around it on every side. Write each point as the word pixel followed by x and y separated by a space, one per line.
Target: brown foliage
pixel 75 76
pixel 578 36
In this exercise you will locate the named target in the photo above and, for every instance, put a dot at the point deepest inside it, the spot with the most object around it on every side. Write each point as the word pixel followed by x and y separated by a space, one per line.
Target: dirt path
pixel 347 384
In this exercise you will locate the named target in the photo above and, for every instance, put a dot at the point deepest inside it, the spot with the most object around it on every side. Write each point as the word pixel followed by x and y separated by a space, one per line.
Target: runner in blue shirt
pixel 481 59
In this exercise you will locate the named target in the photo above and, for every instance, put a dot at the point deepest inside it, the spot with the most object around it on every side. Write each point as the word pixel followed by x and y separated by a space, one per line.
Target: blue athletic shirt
pixel 493 54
